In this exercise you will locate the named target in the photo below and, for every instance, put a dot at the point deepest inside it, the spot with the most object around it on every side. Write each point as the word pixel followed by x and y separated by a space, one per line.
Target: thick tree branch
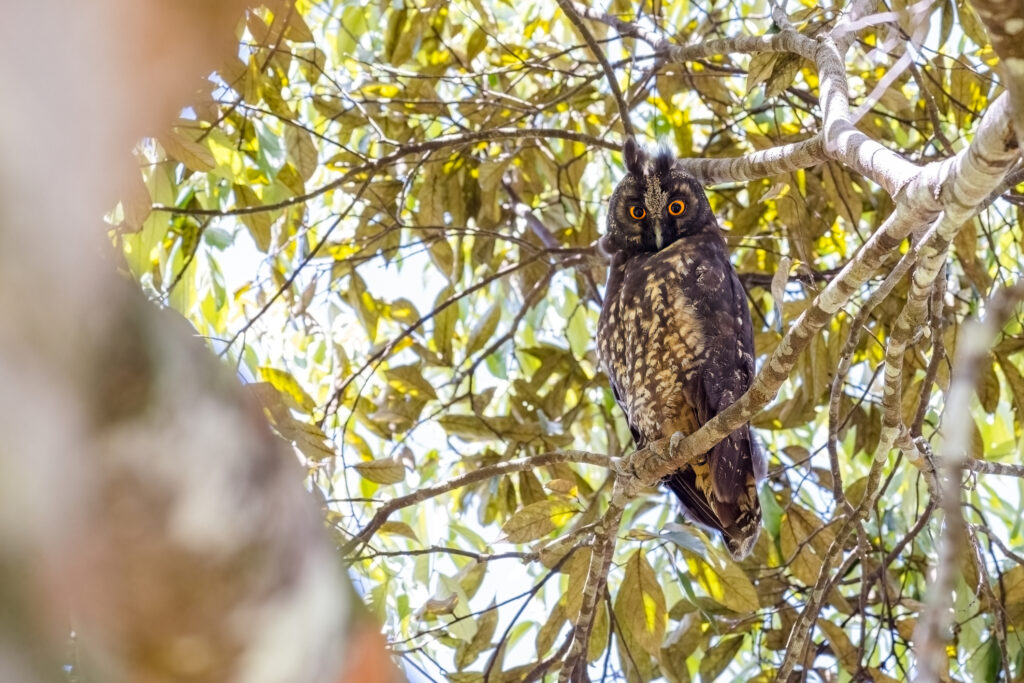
pixel 842 141
pixel 760 164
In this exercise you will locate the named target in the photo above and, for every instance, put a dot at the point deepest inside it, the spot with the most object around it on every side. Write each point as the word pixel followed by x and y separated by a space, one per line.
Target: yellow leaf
pixel 725 582
pixel 536 520
pixel 289 386
pixel 640 604
pixel 841 646
pixel 259 222
pixel 409 380
pixel 297 29
pixel 399 529
pixel 195 155
pixel 384 471
pixel 301 151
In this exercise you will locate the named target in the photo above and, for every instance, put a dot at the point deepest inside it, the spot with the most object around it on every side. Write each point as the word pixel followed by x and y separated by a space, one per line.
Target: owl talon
pixel 674 441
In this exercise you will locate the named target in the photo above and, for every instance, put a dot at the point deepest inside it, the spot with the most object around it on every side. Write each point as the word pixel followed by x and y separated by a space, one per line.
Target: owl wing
pixel 719 491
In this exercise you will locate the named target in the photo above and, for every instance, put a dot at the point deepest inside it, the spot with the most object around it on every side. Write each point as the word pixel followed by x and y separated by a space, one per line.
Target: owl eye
pixel 637 212
pixel 676 207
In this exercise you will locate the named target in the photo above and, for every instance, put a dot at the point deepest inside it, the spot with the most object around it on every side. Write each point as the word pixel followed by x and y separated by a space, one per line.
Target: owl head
pixel 655 204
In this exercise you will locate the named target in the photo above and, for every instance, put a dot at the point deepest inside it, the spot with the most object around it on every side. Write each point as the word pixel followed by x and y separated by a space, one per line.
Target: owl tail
pixel 720 491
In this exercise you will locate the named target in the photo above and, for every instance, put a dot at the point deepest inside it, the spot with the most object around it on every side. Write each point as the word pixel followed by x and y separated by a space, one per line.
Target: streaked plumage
pixel 675 337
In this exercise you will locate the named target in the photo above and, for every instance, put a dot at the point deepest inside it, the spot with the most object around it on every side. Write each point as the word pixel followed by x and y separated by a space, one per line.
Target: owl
pixel 675 338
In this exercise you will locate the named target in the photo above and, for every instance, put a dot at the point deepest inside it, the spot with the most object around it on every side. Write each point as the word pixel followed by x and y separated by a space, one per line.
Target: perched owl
pixel 675 337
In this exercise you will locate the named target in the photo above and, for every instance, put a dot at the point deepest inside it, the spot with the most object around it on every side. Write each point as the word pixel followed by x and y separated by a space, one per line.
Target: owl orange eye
pixel 637 212
pixel 676 207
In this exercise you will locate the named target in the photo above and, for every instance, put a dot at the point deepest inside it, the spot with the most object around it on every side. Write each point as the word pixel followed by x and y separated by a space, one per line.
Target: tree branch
pixel 595 49
pixel 575 667
pixel 975 340
pixel 466 479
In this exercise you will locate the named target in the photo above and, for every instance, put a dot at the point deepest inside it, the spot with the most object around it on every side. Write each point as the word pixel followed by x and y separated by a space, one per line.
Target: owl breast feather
pixel 650 340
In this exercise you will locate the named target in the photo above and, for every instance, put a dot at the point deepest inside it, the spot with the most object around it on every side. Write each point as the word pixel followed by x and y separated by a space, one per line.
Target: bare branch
pixel 466 479
pixel 626 29
pixel 989 467
pixel 976 338
pixel 575 667
pixel 613 81
pixel 760 164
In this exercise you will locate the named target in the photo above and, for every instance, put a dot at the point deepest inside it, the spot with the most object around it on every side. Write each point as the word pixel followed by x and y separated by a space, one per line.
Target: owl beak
pixel 658 239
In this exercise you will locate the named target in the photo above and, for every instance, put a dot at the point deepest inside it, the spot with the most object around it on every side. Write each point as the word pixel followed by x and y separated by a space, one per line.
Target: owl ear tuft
pixel 664 160
pixel 634 156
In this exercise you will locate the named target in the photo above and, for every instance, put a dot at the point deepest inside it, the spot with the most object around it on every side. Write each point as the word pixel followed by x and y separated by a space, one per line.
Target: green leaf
pixel 800 528
pixel 842 648
pixel 770 510
pixel 444 324
pixel 716 659
pixel 988 388
pixel 986 666
pixel 971 24
pixel 783 74
pixel 440 252
pixel 682 642
pixel 576 568
pixel 481 640
pixel 484 329
pixel 760 68
pixel 1012 589
pixel 641 603
pixel 463 626
pixel 1016 381
pixel 549 630
pixel 598 644
pixel 537 520
pixel 530 489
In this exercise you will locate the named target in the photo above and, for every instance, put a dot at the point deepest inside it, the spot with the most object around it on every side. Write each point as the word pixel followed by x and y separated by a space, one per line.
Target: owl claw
pixel 674 441
pixel 626 473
